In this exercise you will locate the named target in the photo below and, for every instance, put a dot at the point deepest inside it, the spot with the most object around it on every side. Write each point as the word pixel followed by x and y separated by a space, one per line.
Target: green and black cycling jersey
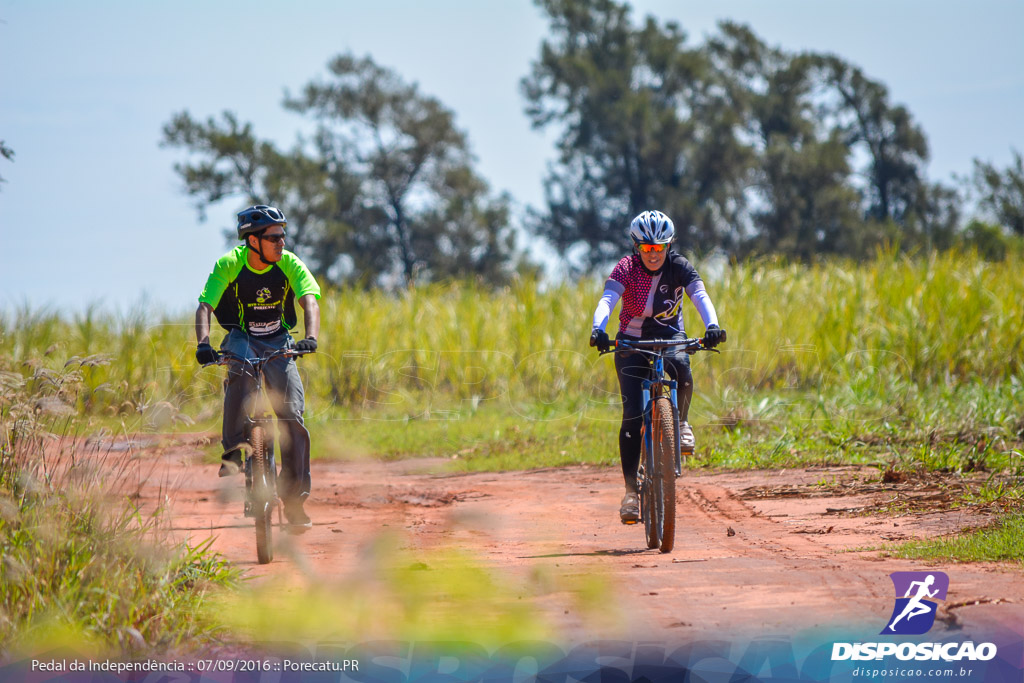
pixel 258 302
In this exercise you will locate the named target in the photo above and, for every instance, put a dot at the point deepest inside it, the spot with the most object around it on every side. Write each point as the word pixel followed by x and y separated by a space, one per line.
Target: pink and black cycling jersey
pixel 652 304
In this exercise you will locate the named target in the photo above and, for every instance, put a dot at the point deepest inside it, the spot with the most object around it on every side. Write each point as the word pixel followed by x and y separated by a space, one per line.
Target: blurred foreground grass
pixel 82 567
pixel 439 594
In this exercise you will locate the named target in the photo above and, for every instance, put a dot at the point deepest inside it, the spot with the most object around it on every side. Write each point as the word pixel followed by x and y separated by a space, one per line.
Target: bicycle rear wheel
pixel 664 478
pixel 262 497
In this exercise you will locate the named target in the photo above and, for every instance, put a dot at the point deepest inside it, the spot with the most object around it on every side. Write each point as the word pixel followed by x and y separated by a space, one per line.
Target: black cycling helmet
pixel 258 218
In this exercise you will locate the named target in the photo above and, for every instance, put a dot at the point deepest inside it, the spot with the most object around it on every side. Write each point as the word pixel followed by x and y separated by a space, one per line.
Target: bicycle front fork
pixel 648 416
pixel 675 421
pixel 268 452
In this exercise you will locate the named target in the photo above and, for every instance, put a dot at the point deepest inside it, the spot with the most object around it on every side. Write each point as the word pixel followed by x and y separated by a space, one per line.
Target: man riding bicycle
pixel 252 292
pixel 651 283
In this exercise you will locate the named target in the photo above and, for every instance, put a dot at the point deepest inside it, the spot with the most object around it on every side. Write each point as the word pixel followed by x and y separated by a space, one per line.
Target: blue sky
pixel 91 209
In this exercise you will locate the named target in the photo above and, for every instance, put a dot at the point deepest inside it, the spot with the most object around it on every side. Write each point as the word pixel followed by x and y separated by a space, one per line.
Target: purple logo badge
pixel 916 593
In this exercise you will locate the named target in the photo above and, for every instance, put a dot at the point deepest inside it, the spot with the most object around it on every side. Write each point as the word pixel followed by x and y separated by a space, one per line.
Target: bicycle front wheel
pixel 262 497
pixel 648 503
pixel 664 479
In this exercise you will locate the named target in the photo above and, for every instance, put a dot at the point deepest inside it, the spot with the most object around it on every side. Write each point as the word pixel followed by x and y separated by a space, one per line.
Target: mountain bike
pixel 661 457
pixel 258 452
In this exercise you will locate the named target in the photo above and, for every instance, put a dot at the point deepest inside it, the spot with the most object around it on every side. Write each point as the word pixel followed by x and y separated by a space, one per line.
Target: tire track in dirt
pixel 749 544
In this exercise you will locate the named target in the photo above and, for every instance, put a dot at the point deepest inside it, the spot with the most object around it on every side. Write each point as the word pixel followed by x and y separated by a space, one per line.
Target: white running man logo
pixel 915 607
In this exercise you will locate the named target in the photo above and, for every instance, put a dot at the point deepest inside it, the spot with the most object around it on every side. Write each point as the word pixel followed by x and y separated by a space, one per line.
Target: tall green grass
pixel 940 319
pixel 894 348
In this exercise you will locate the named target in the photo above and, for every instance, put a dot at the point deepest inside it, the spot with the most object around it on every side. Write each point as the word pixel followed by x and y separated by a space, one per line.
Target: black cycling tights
pixel 632 370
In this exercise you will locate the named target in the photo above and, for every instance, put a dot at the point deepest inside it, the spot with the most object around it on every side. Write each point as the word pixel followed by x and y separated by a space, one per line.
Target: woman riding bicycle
pixel 651 283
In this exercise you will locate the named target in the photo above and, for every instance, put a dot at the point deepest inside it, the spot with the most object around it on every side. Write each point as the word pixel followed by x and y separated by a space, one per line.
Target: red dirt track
pixel 757 552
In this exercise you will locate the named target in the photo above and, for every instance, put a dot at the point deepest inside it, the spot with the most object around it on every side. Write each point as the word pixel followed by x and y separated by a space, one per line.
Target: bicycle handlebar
pixel 227 356
pixel 653 346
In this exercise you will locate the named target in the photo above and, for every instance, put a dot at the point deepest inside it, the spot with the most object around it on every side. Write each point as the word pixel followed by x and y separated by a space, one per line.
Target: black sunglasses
pixel 273 238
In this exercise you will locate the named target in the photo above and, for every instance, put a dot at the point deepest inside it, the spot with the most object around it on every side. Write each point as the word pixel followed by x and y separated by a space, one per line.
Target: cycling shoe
pixel 230 464
pixel 298 521
pixel 629 510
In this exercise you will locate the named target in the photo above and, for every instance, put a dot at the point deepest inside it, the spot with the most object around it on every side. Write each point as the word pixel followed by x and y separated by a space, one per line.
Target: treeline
pixel 751 149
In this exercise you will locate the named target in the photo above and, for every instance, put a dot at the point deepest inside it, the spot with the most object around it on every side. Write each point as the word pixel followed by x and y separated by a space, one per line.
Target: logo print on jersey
pixel 264 329
pixel 916 592
pixel 263 295
pixel 672 311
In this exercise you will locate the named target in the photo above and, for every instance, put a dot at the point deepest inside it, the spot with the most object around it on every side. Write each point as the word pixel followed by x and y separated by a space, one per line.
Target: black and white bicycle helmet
pixel 652 227
pixel 257 218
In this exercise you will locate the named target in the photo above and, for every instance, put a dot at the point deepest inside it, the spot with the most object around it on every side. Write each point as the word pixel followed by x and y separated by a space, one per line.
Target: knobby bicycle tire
pixel 648 504
pixel 262 503
pixel 663 420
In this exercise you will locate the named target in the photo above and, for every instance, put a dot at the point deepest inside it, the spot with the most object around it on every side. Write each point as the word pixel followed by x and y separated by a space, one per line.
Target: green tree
pixel 642 125
pixel 937 218
pixel 7 153
pixel 810 208
pixel 231 160
pixel 747 147
pixel 1001 192
pixel 896 146
pixel 383 192
pixel 431 211
pixel 808 117
pixel 802 177
pixel 227 160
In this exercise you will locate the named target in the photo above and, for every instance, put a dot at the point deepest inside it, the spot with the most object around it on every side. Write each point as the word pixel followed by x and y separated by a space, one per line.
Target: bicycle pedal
pixel 630 522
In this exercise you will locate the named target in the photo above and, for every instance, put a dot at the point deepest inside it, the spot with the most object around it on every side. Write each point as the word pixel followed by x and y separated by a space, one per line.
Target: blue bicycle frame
pixel 657 378
pixel 655 484
pixel 658 372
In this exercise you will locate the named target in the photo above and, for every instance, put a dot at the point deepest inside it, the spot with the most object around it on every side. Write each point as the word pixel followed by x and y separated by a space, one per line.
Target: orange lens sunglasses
pixel 656 248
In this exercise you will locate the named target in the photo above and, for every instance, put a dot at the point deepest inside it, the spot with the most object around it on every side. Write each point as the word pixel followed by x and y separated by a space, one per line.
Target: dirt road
pixel 757 552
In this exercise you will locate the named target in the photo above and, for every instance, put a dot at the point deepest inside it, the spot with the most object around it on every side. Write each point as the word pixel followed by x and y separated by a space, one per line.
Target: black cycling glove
pixel 713 336
pixel 599 338
pixel 308 345
pixel 206 354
